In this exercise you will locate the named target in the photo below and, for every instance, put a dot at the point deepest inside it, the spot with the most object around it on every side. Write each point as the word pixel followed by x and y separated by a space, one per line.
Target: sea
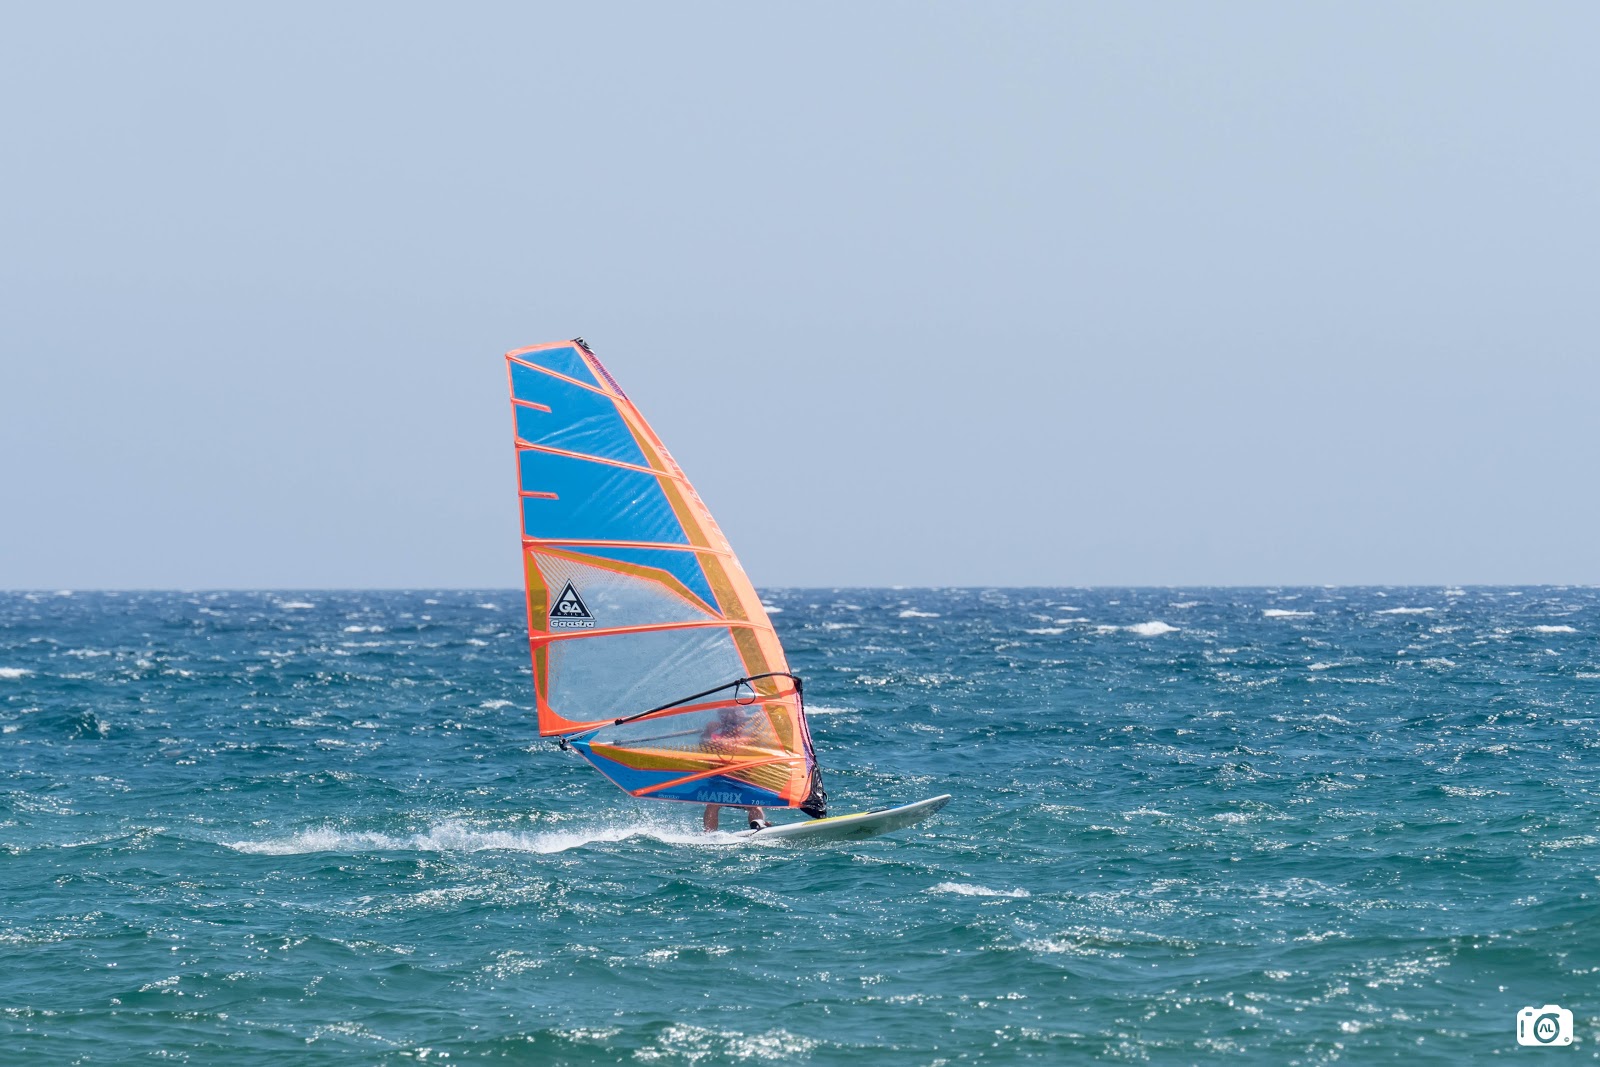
pixel 1265 826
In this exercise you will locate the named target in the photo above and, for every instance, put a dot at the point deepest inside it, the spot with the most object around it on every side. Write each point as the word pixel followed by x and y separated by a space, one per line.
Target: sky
pixel 917 294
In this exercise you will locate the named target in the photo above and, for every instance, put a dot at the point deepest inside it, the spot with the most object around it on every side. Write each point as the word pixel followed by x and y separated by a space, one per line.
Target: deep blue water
pixel 1288 825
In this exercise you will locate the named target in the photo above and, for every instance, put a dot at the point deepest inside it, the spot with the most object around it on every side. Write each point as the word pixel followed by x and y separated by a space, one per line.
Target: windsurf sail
pixel 652 654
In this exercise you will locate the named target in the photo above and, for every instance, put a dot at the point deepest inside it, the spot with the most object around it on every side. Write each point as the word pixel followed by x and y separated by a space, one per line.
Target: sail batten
pixel 639 613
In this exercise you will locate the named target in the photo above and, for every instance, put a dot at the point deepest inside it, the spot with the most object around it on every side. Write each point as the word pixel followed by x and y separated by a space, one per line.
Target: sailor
pixel 730 732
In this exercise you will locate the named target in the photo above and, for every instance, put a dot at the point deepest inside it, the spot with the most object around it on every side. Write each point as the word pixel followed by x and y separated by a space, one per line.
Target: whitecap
pixel 1405 611
pixel 1047 631
pixel 1554 630
pixel 1187 604
pixel 492 704
pixel 771 610
pixel 296 605
pixel 14 672
pixel 1473 792
pixel 1285 613
pixel 1151 629
pixel 455 836
pixel 913 613
pixel 961 889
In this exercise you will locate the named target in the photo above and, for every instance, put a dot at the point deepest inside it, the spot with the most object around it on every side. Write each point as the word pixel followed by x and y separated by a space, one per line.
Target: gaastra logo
pixel 569 611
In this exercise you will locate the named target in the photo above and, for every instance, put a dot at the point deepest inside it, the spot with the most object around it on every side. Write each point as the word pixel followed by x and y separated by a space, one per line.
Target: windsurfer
pixel 730 732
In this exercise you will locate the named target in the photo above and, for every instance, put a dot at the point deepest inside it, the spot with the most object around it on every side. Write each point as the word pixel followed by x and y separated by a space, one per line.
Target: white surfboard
pixel 848 827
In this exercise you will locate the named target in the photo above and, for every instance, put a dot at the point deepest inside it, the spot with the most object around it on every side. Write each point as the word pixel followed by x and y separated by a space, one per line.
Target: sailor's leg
pixel 712 810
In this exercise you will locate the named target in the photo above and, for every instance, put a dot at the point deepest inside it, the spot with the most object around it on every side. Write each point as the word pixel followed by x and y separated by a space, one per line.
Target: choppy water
pixel 1297 826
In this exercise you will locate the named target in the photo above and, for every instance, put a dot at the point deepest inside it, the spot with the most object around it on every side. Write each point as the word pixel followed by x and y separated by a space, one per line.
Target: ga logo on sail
pixel 569 612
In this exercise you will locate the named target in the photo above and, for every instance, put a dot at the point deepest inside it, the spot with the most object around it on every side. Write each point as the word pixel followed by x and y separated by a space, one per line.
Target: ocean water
pixel 1282 826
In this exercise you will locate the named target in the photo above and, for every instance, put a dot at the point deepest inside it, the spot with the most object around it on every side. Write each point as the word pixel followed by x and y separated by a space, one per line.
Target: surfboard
pixel 848 827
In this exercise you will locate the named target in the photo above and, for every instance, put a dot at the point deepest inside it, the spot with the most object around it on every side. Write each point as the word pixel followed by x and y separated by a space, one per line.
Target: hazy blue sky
pixel 917 294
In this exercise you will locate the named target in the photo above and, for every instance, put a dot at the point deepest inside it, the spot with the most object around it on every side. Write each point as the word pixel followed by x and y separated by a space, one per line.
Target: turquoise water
pixel 1288 826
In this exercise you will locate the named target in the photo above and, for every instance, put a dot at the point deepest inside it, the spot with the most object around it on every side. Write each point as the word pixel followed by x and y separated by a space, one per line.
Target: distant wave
pixel 913 613
pixel 961 889
pixel 1554 630
pixel 826 709
pixel 1285 613
pixel 14 672
pixel 296 605
pixel 1151 629
pixel 1405 611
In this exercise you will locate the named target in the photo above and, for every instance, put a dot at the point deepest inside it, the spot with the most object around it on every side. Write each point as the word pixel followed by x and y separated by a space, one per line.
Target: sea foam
pixel 1151 629
pixel 961 889
pixel 453 836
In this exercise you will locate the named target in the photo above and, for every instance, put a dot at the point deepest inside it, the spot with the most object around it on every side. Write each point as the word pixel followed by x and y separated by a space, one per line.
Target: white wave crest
pixel 14 672
pixel 1554 630
pixel 961 889
pixel 1405 611
pixel 296 605
pixel 913 613
pixel 1285 613
pixel 1473 792
pixel 1047 631
pixel 1151 629
pixel 458 837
